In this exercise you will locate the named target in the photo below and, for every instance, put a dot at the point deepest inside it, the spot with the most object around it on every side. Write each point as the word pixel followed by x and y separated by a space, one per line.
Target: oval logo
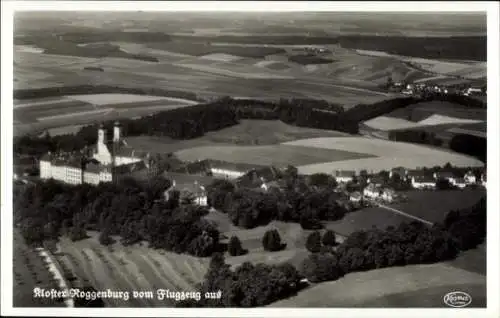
pixel 457 299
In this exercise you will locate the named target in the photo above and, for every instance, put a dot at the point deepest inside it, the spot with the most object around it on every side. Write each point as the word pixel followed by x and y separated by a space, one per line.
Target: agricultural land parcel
pixel 32 115
pixel 407 286
pixel 387 154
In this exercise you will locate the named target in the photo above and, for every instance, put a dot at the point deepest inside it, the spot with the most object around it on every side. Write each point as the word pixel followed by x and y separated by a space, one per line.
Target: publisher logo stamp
pixel 457 299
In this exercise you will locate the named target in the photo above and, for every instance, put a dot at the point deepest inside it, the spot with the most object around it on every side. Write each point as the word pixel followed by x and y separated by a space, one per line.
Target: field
pixel 387 155
pixel 277 155
pixel 247 132
pixel 217 72
pixel 33 115
pixel 434 205
pixel 446 69
pixel 30 271
pixel 408 286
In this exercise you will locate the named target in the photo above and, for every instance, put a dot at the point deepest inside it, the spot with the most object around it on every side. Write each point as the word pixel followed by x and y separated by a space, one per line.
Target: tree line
pixel 135 211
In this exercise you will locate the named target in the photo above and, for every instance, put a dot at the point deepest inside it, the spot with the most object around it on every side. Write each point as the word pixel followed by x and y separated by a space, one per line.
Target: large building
pixel 107 161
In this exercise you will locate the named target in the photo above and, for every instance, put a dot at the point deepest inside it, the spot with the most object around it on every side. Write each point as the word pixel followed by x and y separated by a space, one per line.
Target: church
pixel 106 161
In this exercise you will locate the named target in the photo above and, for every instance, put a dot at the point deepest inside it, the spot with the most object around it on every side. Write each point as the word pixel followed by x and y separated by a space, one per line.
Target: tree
pixel 272 241
pixel 320 267
pixel 235 248
pixel 329 238
pixel 313 243
pixel 443 184
pixel 105 238
pixel 322 180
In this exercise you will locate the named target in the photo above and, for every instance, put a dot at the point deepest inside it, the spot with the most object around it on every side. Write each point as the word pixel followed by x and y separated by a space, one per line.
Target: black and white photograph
pixel 193 156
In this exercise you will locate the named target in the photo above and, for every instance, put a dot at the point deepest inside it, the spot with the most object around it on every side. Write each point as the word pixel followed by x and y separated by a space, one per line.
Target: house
pixel 460 183
pixel 483 179
pixel 445 175
pixel 400 171
pixel 388 195
pixel 185 183
pixel 344 176
pixel 423 182
pixel 473 91
pixel 470 177
pixel 355 197
pixel 372 191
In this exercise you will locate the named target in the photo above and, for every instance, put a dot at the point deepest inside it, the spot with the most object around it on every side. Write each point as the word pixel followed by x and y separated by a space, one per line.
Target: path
pixel 402 213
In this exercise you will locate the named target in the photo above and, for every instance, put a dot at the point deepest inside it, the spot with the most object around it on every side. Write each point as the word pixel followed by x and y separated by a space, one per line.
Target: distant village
pixel 418 89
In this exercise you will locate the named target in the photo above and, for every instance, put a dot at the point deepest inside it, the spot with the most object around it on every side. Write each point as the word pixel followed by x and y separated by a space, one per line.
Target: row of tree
pixel 462 143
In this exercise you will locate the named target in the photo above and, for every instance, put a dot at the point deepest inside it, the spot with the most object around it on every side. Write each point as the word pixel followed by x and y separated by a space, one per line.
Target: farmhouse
pixel 423 182
pixel 470 177
pixel 372 191
pixel 255 177
pixel 445 175
pixel 355 197
pixel 105 162
pixel 218 169
pixel 344 176
pixel 483 179
pixel 400 171
pixel 388 195
pixel 460 183
pixel 189 184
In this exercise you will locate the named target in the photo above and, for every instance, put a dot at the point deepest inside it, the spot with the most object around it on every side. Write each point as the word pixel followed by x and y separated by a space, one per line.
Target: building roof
pixel 445 174
pixel 182 179
pixel 376 180
pixel 416 173
pixel 424 179
pixel 255 177
pixel 344 173
pixel 372 187
pixel 399 170
pixel 356 194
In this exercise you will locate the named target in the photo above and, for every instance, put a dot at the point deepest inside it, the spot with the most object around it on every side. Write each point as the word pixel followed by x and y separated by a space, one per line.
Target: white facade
pixel 470 178
pixel 225 173
pixel 422 184
pixel 371 192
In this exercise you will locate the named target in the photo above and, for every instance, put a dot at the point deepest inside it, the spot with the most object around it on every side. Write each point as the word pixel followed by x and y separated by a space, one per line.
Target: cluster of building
pixel 422 88
pixel 107 161
pixel 376 189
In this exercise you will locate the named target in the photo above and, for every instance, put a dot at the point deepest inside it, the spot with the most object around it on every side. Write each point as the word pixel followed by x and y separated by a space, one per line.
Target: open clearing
pixel 277 155
pixel 408 286
pixel 388 154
